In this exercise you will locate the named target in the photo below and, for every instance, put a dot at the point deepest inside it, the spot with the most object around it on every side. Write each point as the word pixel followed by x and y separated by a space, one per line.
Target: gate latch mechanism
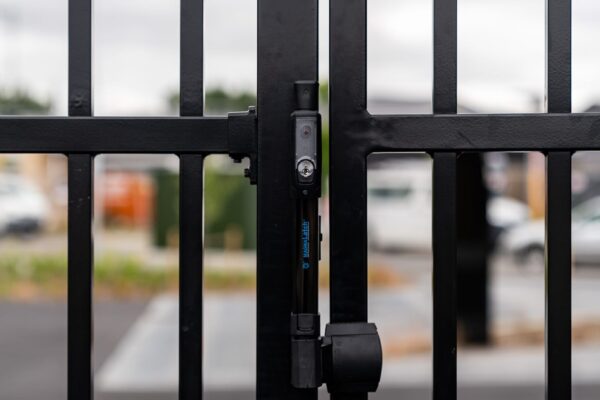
pixel 349 357
pixel 242 140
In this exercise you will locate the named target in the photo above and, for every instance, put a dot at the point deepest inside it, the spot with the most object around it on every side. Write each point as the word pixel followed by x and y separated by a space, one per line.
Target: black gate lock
pixel 349 357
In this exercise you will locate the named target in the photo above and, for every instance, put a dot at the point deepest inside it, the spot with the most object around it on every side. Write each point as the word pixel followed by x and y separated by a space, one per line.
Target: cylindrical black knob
pixel 352 357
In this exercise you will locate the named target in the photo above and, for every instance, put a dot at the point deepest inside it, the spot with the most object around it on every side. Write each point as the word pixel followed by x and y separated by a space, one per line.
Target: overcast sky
pixel 501 51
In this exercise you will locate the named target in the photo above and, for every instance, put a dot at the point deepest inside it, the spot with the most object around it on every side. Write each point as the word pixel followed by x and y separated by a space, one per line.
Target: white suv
pixel 23 207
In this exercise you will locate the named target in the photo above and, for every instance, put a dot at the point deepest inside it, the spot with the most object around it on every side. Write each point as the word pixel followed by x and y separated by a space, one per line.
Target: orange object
pixel 127 198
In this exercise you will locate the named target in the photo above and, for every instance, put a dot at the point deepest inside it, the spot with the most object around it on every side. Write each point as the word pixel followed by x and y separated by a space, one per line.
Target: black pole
pixel 473 249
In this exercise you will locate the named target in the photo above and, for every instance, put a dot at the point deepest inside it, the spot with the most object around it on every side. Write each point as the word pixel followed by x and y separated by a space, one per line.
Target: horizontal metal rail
pixel 481 132
pixel 370 133
pixel 97 135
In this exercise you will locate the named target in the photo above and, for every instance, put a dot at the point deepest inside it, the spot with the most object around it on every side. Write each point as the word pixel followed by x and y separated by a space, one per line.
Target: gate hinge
pixel 243 140
pixel 348 358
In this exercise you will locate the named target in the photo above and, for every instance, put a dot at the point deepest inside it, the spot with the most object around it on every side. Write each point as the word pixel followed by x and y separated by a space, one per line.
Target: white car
pixel 400 208
pixel 526 242
pixel 23 207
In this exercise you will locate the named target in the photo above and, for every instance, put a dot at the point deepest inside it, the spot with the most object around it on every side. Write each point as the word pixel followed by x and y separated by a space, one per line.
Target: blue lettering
pixel 306 242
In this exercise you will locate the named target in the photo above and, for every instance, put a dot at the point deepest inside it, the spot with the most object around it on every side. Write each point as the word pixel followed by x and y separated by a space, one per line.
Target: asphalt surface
pixel 33 345
pixel 33 359
pixel 405 393
pixel 33 338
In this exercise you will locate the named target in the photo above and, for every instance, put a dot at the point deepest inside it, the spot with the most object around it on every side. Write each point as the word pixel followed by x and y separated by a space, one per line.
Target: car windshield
pixel 586 211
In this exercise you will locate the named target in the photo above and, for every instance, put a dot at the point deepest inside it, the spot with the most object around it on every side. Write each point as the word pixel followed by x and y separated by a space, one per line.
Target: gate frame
pixel 287 52
pixel 355 134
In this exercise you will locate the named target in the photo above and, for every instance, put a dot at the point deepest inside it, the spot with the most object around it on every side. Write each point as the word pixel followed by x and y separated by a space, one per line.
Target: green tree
pixel 19 102
pixel 219 101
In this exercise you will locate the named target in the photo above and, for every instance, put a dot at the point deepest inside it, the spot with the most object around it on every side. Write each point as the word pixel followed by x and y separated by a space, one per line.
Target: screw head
pixel 306 131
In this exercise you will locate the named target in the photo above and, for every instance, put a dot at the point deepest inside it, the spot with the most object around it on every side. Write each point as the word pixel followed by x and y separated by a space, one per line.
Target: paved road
pixel 33 358
pixel 33 345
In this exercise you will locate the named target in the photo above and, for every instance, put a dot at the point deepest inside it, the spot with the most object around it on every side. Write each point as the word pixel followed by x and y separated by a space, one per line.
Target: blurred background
pixel 136 72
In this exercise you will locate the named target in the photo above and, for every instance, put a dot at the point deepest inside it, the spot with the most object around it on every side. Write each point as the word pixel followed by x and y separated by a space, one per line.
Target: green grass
pixel 33 277
pixel 115 276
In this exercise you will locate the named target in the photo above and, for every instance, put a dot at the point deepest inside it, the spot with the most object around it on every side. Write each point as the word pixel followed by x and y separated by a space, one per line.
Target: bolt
pixel 306 130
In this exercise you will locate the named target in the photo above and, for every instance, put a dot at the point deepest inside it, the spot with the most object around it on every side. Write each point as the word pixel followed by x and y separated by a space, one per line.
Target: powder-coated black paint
pixel 287 52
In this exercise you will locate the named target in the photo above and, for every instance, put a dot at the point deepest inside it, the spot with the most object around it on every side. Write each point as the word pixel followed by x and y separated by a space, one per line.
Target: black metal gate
pixel 287 52
pixel 355 134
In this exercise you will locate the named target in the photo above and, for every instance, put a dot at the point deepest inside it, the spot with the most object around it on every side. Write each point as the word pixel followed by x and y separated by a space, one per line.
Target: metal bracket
pixel 243 140
pixel 306 351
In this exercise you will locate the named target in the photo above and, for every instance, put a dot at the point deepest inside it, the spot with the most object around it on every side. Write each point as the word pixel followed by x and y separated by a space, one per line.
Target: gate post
pixel 287 52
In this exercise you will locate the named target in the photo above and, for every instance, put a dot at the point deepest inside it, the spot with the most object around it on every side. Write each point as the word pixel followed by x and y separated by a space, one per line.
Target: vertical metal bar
pixel 80 170
pixel 444 276
pixel 444 56
pixel 191 227
pixel 348 169
pixel 558 210
pixel 80 58
pixel 191 218
pixel 192 55
pixel 558 56
pixel 80 275
pixel 347 60
pixel 287 52
pixel 444 205
pixel 558 276
pixel 472 237
pixel 473 245
pixel 348 166
pixel 349 271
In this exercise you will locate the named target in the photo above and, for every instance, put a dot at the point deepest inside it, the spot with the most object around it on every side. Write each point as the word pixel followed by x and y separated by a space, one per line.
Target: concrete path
pixel 145 361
